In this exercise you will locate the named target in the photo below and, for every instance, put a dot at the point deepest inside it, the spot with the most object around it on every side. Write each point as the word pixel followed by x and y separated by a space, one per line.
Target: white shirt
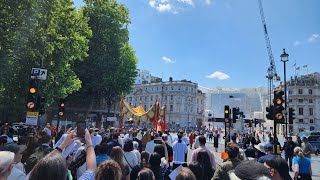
pixel 16 174
pixel 170 140
pixel 135 151
pixel 131 159
pixel 150 147
pixel 96 139
pixel 179 151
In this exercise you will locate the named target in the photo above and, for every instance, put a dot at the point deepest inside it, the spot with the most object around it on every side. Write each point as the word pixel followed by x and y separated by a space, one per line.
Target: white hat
pixel 260 147
pixel 6 159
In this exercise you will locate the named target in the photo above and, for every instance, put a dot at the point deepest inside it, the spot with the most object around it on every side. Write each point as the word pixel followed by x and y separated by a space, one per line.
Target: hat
pixel 268 147
pixel 279 164
pixel 6 159
pixel 13 147
pixel 251 170
pixel 260 147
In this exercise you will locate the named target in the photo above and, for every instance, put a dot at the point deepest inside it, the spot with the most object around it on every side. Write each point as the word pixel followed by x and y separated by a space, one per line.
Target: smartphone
pixel 81 126
pixel 158 141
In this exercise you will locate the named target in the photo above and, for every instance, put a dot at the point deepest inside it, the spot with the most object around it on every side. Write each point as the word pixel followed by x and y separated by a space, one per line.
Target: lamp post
pixel 284 58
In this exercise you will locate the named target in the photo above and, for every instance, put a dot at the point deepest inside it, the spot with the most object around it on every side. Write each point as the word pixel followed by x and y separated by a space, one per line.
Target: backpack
pixel 35 157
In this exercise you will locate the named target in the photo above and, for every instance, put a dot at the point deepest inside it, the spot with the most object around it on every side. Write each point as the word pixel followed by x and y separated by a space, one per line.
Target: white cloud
pixel 152 3
pixel 296 43
pixel 172 6
pixel 313 38
pixel 208 2
pixel 167 60
pixel 164 7
pixel 189 2
pixel 218 75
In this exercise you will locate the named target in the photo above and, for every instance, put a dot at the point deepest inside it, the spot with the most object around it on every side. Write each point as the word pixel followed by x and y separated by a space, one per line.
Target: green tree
pixel 110 68
pixel 50 34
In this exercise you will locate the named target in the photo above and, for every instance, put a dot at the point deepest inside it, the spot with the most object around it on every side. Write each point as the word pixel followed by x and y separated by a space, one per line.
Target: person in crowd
pixel 130 157
pixel 96 138
pixel 5 134
pixel 270 138
pixel 53 166
pixel 268 151
pixel 144 163
pixel 202 143
pixel 151 144
pixel 155 166
pixel 299 141
pixel 170 139
pixel 146 174
pixel 47 129
pixel 259 151
pixel 110 170
pixel 288 148
pixel 231 163
pixel 6 164
pixel 16 174
pixel 204 160
pixel 306 148
pixel 251 140
pixel 117 155
pixel 169 147
pixel 278 168
pixel 196 169
pixel 191 139
pixel 129 135
pixel 53 129
pixel 250 170
pixel 179 150
pixel 114 142
pixel 163 152
pixel 302 165
pixel 216 141
pixel 145 139
pixel 210 135
pixel 136 151
pixel 103 153
pixel 139 135
pixel 185 174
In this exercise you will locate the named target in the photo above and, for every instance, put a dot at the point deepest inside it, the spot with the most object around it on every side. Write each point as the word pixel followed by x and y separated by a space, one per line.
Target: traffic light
pixel 41 102
pixel 291 115
pixel 278 103
pixel 32 96
pixel 269 115
pixel 226 112
pixel 61 106
pixel 235 113
pixel 256 122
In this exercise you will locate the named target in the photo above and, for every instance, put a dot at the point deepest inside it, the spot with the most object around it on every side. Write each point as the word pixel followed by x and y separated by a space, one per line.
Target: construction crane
pixel 272 71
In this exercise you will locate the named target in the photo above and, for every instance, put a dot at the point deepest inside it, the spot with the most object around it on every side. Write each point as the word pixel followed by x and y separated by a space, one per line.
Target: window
pixel 311 111
pixel 300 120
pixel 300 111
pixel 151 89
pixel 166 88
pixel 290 100
pixel 141 98
pixel 300 91
pixel 130 98
pixel 136 99
pixel 146 89
pixel 172 88
pixel 290 92
pixel 311 121
pixel 179 88
pixel 147 77
pixel 310 101
pixel 146 98
pixel 166 98
pixel 311 128
pixel 310 91
pixel 300 100
pixel 186 88
pixel 145 107
pixel 191 89
pixel 151 98
pixel 171 97
pixel 138 81
pixel 171 107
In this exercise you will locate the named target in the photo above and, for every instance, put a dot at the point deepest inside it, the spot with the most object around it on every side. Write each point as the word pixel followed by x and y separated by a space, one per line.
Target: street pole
pixel 275 139
pixel 284 59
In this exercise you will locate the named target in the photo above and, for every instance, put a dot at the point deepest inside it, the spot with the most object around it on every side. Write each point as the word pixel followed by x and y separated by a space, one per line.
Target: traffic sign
pixel 38 73
pixel 32 118
pixel 111 118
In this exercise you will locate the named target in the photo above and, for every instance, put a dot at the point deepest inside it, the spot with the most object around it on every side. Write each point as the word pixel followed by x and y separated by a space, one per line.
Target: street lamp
pixel 284 58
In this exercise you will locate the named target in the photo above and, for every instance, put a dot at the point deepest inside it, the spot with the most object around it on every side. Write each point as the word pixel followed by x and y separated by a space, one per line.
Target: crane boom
pixel 272 71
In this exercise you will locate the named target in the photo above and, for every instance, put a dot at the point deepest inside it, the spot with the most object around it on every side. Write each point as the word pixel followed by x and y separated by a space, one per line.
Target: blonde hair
pixel 298 152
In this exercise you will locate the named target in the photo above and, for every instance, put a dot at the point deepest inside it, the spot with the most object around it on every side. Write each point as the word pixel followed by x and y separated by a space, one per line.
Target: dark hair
pixel 202 140
pixel 185 174
pixel 108 169
pixel 160 150
pixel 155 161
pixel 196 169
pixel 44 137
pixel 145 159
pixel 232 150
pixel 146 174
pixel 51 167
pixel 12 147
pixel 203 159
pixel 115 136
pixel 104 148
pixel 128 146
pixel 97 149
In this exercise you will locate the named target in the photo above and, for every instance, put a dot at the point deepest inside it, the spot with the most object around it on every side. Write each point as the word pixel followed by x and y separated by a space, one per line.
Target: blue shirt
pixel 262 159
pixel 101 158
pixel 112 144
pixel 304 165
pixel 179 150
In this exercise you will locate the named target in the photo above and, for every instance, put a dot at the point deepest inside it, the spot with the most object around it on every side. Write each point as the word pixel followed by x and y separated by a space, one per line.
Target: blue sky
pixel 221 42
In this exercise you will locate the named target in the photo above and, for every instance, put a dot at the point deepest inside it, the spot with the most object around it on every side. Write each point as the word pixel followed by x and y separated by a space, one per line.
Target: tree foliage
pixel 110 68
pixel 50 34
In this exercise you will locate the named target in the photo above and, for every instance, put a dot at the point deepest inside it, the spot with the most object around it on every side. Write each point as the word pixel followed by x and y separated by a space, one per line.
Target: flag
pixel 298 68
pixel 294 65
pixel 305 66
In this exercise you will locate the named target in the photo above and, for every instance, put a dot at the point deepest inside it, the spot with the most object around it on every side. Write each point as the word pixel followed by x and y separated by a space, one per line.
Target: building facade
pixel 185 103
pixel 304 98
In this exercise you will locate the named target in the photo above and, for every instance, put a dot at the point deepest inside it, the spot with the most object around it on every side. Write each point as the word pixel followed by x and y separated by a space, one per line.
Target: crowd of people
pixel 118 154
